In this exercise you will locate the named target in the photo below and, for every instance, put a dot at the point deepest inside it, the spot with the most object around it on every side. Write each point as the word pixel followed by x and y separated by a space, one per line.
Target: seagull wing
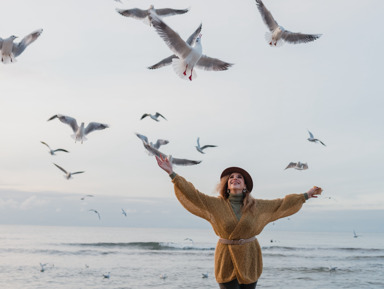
pixel 160 142
pixel 144 115
pixel 154 151
pixel 94 126
pixel 61 168
pixel 134 13
pixel 164 62
pixel 75 173
pixel 310 134
pixel 67 120
pixel 208 146
pixel 20 47
pixel 158 114
pixel 192 39
pixel 198 141
pixel 267 16
pixel 169 11
pixel 1 42
pixel 322 143
pixel 170 37
pixel 61 150
pixel 291 165
pixel 209 63
pixel 295 37
pixel 46 145
pixel 184 162
pixel 304 166
pixel 143 138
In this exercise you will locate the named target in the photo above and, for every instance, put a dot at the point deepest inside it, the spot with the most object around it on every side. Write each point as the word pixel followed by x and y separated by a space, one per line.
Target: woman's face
pixel 236 182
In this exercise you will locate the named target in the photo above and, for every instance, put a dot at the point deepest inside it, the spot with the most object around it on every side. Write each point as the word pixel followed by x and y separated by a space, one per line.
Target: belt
pixel 236 242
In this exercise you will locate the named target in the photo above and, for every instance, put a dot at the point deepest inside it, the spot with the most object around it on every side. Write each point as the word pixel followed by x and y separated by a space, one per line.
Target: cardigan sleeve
pixel 285 207
pixel 191 199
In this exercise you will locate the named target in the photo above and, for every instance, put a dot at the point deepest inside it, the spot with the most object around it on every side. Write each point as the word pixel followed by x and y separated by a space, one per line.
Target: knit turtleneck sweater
pixel 236 201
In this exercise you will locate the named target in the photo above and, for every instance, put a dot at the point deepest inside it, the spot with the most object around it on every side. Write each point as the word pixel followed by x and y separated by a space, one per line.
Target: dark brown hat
pixel 244 173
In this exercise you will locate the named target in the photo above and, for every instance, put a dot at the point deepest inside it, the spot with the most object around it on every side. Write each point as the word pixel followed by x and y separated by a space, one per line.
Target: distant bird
pixel 123 212
pixel 51 151
pixel 79 132
pixel 96 212
pixel 107 276
pixel 355 235
pixel 315 140
pixel 298 166
pixel 86 196
pixel 9 50
pixel 175 161
pixel 144 14
pixel 204 275
pixel 200 149
pixel 332 269
pixel 277 33
pixel 155 145
pixel 153 116
pixel 188 239
pixel 163 276
pixel 68 175
pixel 167 61
pixel 188 56
pixel 42 267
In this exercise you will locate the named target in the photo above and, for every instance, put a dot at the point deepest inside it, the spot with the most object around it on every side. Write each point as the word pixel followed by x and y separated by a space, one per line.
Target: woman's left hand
pixel 313 192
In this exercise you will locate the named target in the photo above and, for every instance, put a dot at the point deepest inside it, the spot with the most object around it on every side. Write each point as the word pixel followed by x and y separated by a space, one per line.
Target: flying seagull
pixel 156 145
pixel 86 196
pixel 188 56
pixel 9 50
pixel 79 132
pixel 124 212
pixel 144 14
pixel 204 275
pixel 315 140
pixel 107 275
pixel 167 61
pixel 200 149
pixel 355 235
pixel 51 151
pixel 277 33
pixel 153 116
pixel 42 267
pixel 68 175
pixel 298 166
pixel 96 212
pixel 175 161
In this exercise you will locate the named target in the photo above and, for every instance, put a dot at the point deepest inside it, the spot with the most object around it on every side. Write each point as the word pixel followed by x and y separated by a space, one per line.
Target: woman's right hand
pixel 165 164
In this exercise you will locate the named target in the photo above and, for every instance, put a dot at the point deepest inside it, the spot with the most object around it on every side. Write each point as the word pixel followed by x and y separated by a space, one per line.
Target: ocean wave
pixel 339 249
pixel 152 246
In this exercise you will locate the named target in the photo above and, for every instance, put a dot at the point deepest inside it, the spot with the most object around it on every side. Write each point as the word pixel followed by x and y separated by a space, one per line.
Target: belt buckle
pixel 241 242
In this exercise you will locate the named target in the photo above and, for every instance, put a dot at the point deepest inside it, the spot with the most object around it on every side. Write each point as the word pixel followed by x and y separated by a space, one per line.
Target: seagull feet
pixel 190 77
pixel 270 43
pixel 185 71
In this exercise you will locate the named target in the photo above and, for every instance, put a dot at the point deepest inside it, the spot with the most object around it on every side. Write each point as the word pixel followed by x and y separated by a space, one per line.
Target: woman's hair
pixel 222 189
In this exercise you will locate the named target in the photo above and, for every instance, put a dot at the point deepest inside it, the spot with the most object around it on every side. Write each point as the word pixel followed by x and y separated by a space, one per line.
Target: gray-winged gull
pixel 202 148
pixel 68 175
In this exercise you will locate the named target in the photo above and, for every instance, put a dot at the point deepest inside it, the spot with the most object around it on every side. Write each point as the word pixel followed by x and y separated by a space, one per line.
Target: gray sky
pixel 90 63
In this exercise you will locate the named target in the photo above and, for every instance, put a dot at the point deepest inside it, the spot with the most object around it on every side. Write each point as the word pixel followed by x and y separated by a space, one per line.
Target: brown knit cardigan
pixel 243 262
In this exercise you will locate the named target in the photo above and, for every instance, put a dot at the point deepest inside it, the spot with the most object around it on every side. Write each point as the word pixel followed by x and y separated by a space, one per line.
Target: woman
pixel 237 218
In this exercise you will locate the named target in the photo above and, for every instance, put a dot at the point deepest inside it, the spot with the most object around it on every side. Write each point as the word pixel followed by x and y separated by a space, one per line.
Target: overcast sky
pixel 91 63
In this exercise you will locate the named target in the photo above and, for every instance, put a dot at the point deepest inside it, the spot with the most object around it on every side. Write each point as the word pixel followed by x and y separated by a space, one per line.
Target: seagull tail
pixel 179 68
pixel 268 37
pixel 8 58
pixel 77 139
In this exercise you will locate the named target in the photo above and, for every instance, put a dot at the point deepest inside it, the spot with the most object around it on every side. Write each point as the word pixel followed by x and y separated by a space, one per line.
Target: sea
pixel 83 257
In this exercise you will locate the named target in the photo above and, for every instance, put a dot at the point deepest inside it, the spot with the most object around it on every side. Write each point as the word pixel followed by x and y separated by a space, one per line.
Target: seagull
pixel 42 267
pixel 51 151
pixel 9 50
pixel 355 235
pixel 68 175
pixel 123 212
pixel 90 196
pixel 200 149
pixel 204 275
pixel 298 166
pixel 332 269
pixel 277 33
pixel 144 14
pixel 167 61
pixel 163 276
pixel 96 212
pixel 106 276
pixel 156 145
pixel 188 239
pixel 175 161
pixel 315 140
pixel 79 132
pixel 153 116
pixel 188 56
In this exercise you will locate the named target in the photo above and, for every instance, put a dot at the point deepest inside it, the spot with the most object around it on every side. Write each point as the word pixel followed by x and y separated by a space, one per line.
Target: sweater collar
pixel 238 198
